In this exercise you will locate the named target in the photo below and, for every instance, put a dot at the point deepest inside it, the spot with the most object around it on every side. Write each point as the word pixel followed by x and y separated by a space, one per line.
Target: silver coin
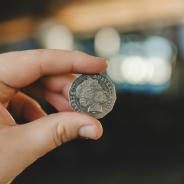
pixel 92 94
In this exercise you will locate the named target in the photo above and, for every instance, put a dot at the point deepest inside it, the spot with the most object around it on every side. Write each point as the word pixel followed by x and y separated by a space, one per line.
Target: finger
pixel 30 141
pixel 5 117
pixel 55 90
pixel 6 92
pixel 23 67
pixel 58 84
pixel 58 101
pixel 22 106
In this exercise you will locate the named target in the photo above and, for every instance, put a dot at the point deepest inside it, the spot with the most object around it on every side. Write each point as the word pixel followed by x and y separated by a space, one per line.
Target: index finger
pixel 21 68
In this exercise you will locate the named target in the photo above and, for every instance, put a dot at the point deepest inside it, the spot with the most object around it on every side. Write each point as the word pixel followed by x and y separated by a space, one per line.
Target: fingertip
pixel 98 126
pixel 103 64
pixel 100 64
pixel 92 129
pixel 99 130
pixel 89 63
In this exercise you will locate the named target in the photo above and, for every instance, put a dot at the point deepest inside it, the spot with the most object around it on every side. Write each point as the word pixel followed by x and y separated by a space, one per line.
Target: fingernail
pixel 88 131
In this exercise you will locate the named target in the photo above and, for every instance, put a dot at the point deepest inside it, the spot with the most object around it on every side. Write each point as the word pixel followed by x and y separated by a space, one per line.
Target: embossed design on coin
pixel 92 94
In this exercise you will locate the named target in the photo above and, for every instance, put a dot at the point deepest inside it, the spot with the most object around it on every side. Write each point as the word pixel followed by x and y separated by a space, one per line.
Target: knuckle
pixel 60 136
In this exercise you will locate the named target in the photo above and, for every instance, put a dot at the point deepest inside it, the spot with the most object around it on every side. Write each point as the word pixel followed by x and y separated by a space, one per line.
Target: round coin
pixel 92 94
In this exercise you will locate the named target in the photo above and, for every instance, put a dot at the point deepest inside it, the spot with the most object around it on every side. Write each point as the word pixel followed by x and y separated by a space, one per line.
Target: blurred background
pixel 144 43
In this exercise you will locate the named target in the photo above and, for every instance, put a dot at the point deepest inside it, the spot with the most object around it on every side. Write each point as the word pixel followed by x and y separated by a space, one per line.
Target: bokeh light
pixel 143 63
pixel 53 35
pixel 157 46
pixel 107 42
pixel 134 70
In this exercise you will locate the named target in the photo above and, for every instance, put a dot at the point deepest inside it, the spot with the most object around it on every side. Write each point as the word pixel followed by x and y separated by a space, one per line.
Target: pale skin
pixel 47 74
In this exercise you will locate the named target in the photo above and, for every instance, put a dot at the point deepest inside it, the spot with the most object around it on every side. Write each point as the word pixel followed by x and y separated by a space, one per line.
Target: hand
pixel 47 74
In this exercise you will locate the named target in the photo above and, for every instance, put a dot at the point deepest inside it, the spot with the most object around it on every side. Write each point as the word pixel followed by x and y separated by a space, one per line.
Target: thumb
pixel 23 144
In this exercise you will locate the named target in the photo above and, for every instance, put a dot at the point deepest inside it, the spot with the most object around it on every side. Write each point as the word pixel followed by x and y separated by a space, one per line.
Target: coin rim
pixel 113 94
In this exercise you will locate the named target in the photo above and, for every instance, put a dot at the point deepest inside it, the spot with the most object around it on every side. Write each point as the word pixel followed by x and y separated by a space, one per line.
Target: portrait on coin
pixel 91 95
